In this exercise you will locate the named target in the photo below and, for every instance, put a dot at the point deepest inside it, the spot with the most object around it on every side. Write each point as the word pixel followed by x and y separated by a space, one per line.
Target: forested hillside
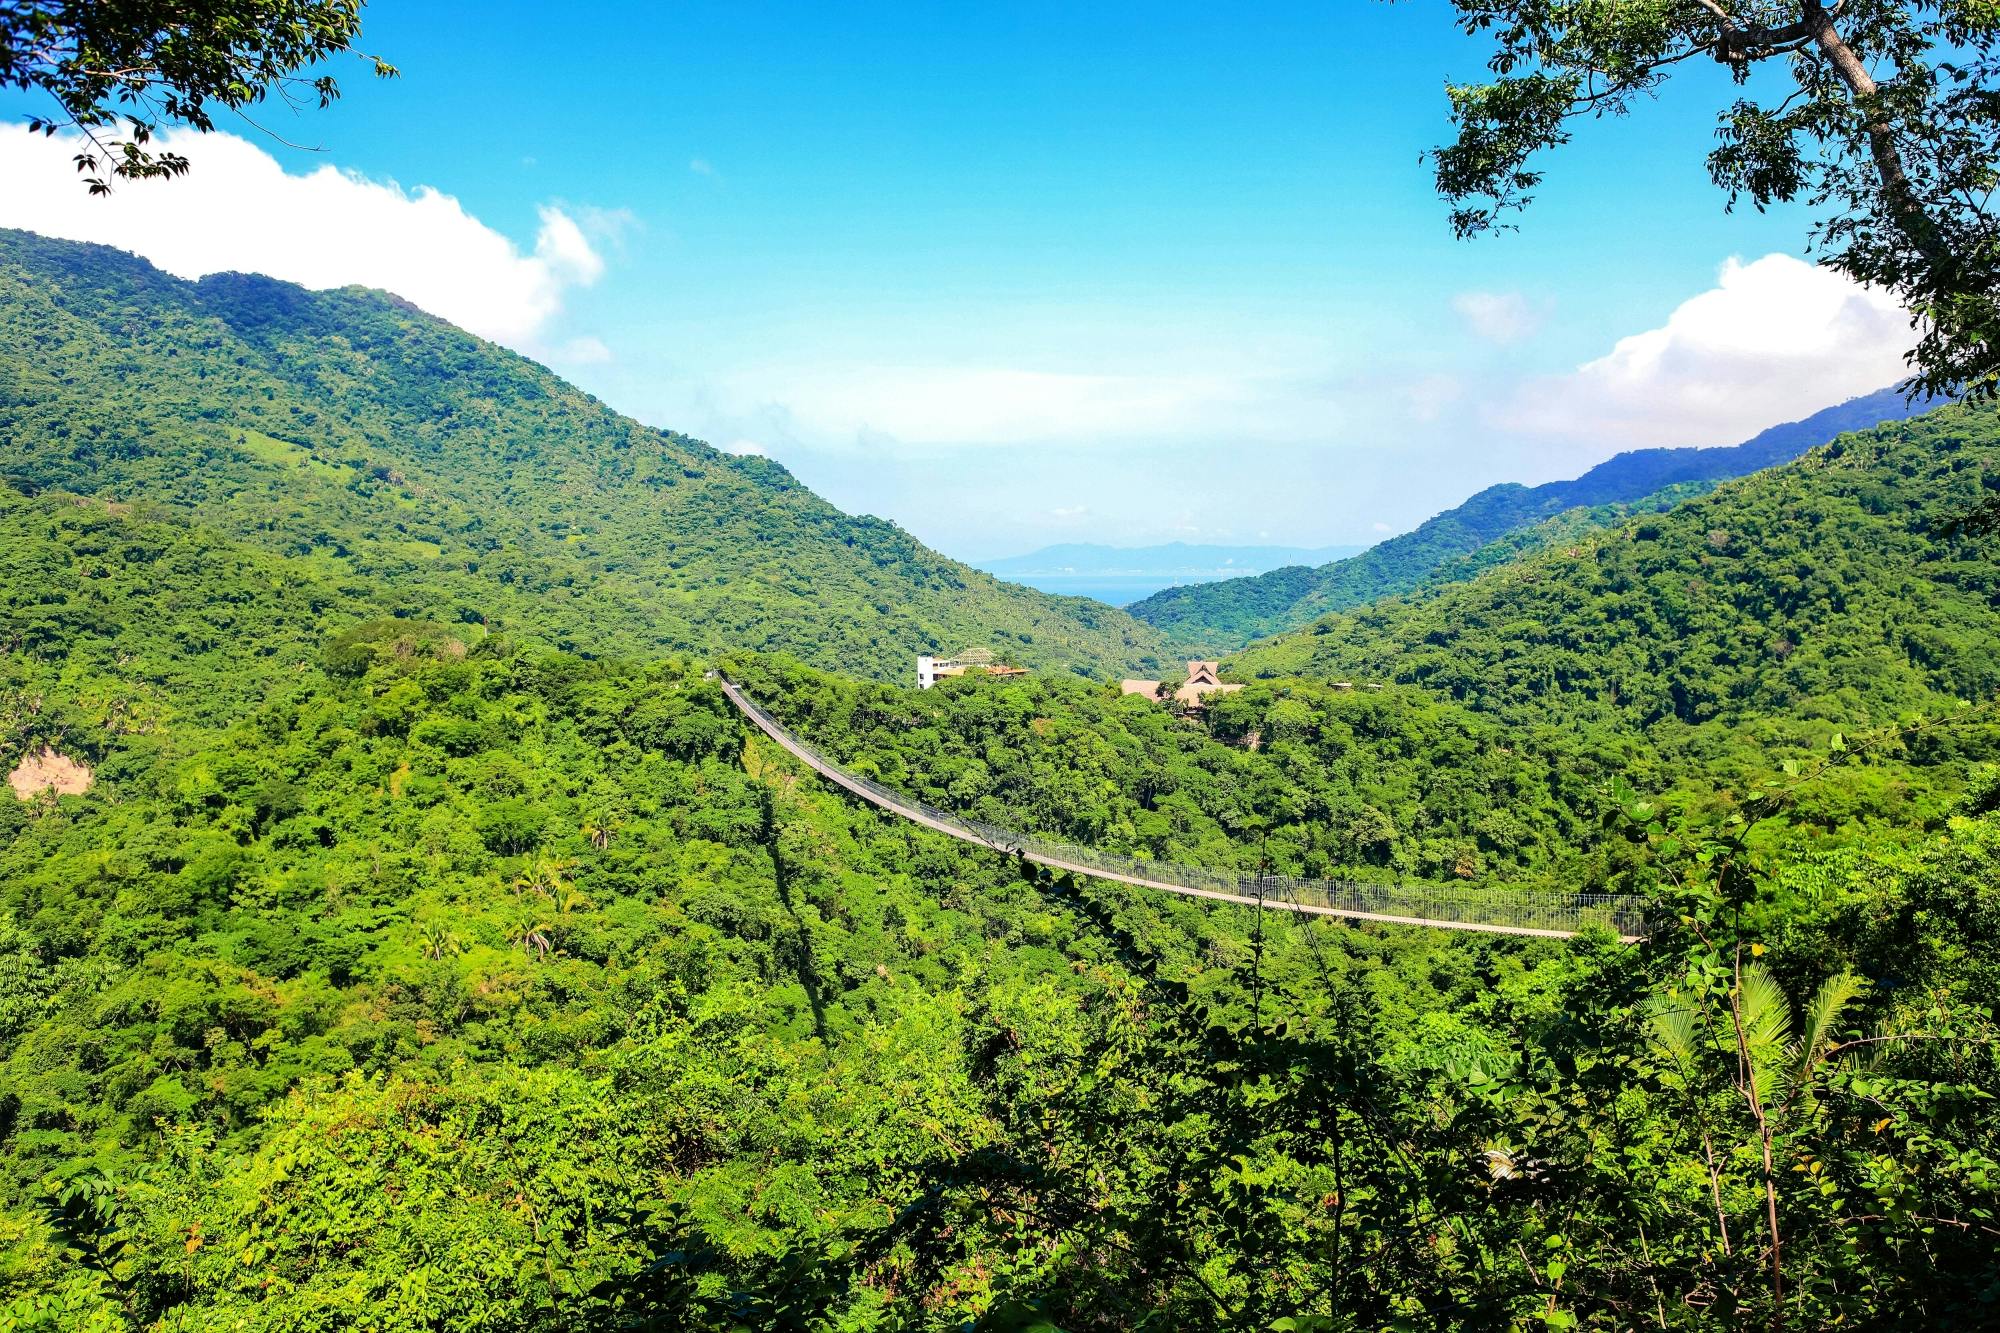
pixel 1293 777
pixel 398 969
pixel 385 447
pixel 1835 588
pixel 392 974
pixel 1223 616
pixel 1290 776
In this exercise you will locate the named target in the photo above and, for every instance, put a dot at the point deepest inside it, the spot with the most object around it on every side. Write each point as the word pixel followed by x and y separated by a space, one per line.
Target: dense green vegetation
pixel 401 970
pixel 1294 778
pixel 455 985
pixel 1834 589
pixel 384 446
pixel 1224 616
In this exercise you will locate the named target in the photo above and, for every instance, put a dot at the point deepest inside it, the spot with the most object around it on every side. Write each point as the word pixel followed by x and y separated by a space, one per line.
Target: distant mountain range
pixel 1831 587
pixel 1217 617
pixel 1118 574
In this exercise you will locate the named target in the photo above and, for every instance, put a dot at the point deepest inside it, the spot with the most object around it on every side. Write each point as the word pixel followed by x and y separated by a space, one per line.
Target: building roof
pixel 1191 694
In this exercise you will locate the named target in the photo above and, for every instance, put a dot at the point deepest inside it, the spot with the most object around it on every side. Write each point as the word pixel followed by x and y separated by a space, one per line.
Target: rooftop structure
pixel 1203 679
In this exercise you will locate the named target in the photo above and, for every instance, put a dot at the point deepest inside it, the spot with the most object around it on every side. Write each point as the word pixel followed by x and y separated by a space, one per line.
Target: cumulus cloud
pixel 1500 317
pixel 1774 340
pixel 562 246
pixel 747 447
pixel 238 209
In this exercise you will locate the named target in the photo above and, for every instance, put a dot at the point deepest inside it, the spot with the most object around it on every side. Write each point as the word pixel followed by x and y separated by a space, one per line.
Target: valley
pixel 476 861
pixel 1121 575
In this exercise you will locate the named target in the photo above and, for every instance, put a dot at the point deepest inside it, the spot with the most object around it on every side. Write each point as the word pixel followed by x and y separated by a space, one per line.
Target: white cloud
pixel 1382 527
pixel 1070 511
pixel 1773 340
pixel 238 209
pixel 749 447
pixel 701 166
pixel 1501 317
pixel 561 245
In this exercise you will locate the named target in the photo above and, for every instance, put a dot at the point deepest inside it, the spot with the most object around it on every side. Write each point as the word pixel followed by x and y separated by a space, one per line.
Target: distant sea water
pixel 1117 589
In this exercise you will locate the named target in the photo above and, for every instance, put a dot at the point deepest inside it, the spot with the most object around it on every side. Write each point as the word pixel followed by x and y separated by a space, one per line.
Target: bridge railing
pixel 1624 914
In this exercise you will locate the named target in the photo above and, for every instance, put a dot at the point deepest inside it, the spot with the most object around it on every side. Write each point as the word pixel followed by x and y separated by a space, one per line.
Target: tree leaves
pixel 119 73
pixel 1890 133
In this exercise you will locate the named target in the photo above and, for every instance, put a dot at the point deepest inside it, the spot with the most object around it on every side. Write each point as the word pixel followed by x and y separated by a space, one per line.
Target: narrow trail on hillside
pixel 1491 912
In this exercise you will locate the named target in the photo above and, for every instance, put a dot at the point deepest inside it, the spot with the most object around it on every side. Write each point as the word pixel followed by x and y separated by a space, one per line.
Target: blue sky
pixel 1023 273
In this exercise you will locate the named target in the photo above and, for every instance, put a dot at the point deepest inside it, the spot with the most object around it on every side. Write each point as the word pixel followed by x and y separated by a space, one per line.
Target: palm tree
pixel 1752 1041
pixel 530 935
pixel 546 875
pixel 1771 1063
pixel 439 940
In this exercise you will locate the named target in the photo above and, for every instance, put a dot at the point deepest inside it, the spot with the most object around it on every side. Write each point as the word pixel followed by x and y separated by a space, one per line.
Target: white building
pixel 974 661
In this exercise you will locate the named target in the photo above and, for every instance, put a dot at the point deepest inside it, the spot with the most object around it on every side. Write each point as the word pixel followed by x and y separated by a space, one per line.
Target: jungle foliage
pixel 401 969
pixel 460 985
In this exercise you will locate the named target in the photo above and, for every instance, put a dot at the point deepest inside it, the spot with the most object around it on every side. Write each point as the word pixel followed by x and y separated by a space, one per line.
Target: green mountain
pixel 397 969
pixel 1835 588
pixel 348 430
pixel 1222 616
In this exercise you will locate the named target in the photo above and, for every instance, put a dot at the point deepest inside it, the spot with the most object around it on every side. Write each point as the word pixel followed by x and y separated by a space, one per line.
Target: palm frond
pixel 1766 1016
pixel 1766 1013
pixel 1822 1020
pixel 1672 1022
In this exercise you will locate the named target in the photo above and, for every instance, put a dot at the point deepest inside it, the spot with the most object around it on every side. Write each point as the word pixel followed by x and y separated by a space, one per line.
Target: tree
pixel 1888 126
pixel 1741 1036
pixel 118 70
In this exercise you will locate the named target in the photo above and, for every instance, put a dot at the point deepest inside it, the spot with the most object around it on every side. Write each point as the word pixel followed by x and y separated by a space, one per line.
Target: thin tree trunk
pixel 1901 196
pixel 1715 1189
pixel 1747 1072
pixel 1771 1215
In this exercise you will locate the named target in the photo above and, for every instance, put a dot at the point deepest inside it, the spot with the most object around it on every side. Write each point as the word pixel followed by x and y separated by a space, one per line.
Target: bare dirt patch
pixel 47 770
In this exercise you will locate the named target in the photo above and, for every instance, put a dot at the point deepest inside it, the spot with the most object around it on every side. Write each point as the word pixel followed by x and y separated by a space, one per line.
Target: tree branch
pixel 1904 206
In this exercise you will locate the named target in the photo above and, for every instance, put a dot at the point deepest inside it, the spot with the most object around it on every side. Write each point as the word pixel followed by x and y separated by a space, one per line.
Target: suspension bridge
pixel 1488 911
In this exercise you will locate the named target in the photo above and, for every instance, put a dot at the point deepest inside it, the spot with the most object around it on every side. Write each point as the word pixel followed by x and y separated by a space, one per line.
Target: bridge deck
pixel 886 800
